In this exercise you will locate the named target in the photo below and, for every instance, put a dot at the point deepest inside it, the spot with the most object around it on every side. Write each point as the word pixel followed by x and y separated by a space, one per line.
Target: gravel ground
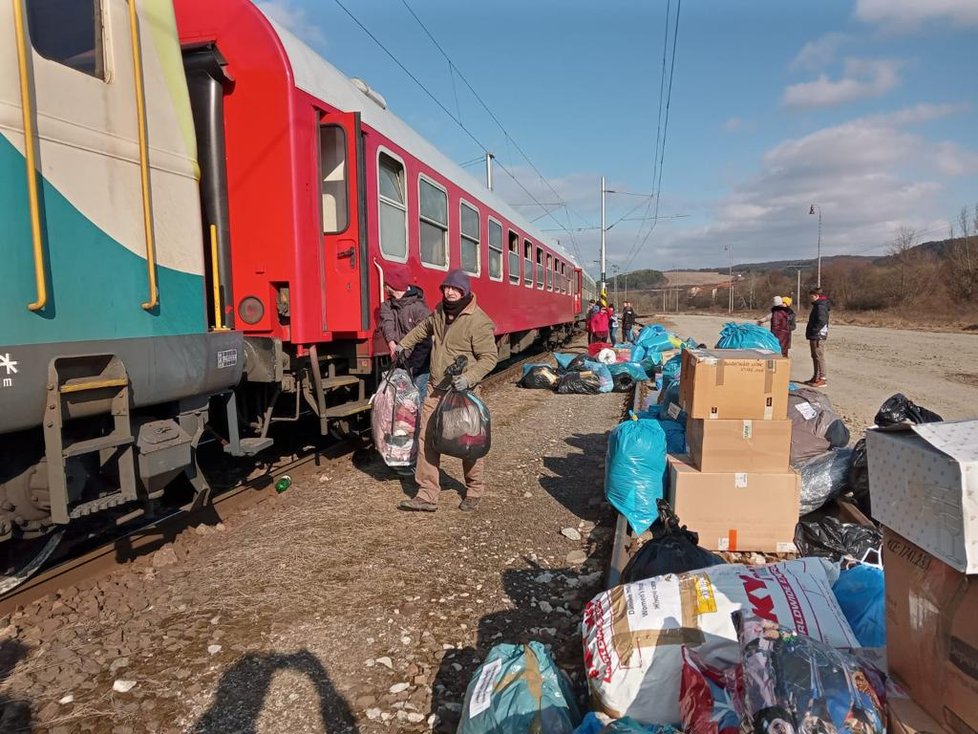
pixel 325 609
pixel 866 365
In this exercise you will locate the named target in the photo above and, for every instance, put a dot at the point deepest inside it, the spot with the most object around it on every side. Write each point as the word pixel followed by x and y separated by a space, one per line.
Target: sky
pixel 866 108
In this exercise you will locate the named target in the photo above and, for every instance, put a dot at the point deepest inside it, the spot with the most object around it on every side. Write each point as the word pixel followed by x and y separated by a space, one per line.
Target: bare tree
pixel 910 266
pixel 961 264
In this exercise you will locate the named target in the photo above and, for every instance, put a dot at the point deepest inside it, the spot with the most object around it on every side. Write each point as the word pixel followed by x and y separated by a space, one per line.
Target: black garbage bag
pixel 577 364
pixel 672 549
pixel 462 426
pixel 823 477
pixel 859 477
pixel 539 377
pixel 623 381
pixel 900 409
pixel 581 383
pixel 830 538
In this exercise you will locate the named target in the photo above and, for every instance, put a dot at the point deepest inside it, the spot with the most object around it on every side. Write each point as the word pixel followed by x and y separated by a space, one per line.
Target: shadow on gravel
pixel 15 712
pixel 562 587
pixel 241 694
pixel 579 483
pixel 369 462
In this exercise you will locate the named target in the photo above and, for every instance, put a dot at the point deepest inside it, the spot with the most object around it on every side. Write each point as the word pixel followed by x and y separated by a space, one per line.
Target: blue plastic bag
pixel 519 689
pixel 627 725
pixel 603 373
pixel 671 369
pixel 635 468
pixel 859 592
pixel 563 359
pixel 669 395
pixel 634 369
pixel 747 336
pixel 675 430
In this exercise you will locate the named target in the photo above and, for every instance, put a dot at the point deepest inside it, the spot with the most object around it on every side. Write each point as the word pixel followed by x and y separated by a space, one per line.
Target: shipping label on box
pixel 924 485
pixel 736 511
pixel 739 445
pixel 720 384
pixel 931 632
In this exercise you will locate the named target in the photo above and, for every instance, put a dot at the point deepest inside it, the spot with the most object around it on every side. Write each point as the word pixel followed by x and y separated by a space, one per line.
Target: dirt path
pixel 937 370
pixel 326 609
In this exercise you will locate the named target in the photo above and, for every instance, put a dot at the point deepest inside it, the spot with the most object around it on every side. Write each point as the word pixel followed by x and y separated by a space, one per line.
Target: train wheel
pixel 21 559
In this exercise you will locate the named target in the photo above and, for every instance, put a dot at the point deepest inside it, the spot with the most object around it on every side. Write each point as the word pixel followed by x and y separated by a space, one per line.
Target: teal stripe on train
pixel 95 285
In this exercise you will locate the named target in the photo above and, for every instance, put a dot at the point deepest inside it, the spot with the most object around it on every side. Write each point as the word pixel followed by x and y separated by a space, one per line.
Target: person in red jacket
pixel 601 323
pixel 780 320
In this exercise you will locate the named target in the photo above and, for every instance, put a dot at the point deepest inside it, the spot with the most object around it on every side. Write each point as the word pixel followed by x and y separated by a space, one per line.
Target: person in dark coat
pixel 780 320
pixel 402 310
pixel 817 332
pixel 628 322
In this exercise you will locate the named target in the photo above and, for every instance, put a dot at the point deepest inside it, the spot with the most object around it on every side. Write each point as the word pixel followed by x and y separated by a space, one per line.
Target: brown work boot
pixel 417 505
pixel 820 382
pixel 467 505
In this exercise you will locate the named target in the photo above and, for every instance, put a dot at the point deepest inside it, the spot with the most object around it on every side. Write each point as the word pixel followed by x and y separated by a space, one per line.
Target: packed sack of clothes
pixel 815 426
pixel 635 467
pixel 579 383
pixel 462 426
pixel 538 377
pixel 709 697
pixel 747 336
pixel 823 478
pixel 671 549
pixel 633 634
pixel 795 683
pixel 394 418
pixel 519 689
pixel 675 429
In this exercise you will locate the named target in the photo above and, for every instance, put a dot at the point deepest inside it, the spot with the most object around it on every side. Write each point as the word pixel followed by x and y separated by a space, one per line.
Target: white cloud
pixel 954 160
pixel 924 112
pixel 294 18
pixel 863 78
pixel 909 15
pixel 819 53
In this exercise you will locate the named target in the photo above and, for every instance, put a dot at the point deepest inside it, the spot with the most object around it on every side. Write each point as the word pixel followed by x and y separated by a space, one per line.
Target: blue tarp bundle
pixel 747 336
pixel 859 592
pixel 519 689
pixel 635 467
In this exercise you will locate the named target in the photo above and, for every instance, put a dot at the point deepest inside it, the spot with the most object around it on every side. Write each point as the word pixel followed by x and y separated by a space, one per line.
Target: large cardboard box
pixel 932 632
pixel 717 384
pixel 739 445
pixel 906 717
pixel 924 485
pixel 736 511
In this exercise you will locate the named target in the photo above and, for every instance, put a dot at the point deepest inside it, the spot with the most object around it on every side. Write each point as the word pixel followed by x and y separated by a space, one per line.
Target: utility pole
pixel 730 270
pixel 798 290
pixel 603 231
pixel 489 157
pixel 615 269
pixel 811 210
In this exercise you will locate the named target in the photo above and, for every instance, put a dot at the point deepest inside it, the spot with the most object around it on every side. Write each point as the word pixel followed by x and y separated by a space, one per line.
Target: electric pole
pixel 603 231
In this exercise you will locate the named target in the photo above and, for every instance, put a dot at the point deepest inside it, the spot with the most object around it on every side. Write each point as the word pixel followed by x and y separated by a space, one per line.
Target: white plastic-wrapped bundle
pixel 607 356
pixel 634 634
pixel 394 418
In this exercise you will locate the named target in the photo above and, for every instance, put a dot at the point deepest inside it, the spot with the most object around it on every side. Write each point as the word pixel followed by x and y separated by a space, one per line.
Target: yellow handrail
pixel 27 107
pixel 137 71
pixel 216 281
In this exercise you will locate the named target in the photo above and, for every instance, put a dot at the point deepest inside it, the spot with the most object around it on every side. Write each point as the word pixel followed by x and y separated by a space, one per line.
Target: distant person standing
pixel 780 322
pixel 587 321
pixel 612 324
pixel 628 322
pixel 816 333
pixel 601 323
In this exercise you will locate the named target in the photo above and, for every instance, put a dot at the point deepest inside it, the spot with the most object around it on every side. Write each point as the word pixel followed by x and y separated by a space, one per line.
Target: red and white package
pixel 708 697
pixel 634 634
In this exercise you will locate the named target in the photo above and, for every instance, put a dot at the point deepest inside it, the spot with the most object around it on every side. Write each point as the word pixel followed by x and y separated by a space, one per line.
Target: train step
pixel 332 383
pixel 347 409
pixel 250 446
pixel 90 446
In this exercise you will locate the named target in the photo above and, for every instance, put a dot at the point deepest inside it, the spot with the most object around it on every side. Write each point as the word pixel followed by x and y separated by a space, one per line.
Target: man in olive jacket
pixel 457 328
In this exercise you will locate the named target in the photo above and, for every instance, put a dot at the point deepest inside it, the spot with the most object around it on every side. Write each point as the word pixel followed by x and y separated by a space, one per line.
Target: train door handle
pixel 350 253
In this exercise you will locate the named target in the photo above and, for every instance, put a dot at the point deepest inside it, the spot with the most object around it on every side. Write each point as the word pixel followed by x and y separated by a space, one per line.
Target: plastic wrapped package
pixel 634 633
pixel 607 356
pixel 747 336
pixel 671 549
pixel 539 377
pixel 708 697
pixel 815 426
pixel 859 592
pixel 828 537
pixel 634 369
pixel 597 724
pixel 594 348
pixel 794 683
pixel 823 478
pixel 603 373
pixel 635 468
pixel 519 689
pixel 462 426
pixel 394 418
pixel 578 383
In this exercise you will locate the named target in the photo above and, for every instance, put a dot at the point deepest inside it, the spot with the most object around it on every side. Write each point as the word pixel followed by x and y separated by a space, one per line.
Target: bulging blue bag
pixel 634 369
pixel 675 429
pixel 747 336
pixel 603 374
pixel 859 592
pixel 563 359
pixel 635 468
pixel 671 369
pixel 519 689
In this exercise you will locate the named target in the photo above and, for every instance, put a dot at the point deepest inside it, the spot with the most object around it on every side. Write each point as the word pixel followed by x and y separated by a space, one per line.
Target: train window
pixel 495 250
pixel 471 236
pixel 332 178
pixel 527 264
pixel 514 258
pixel 393 207
pixel 539 268
pixel 68 32
pixel 550 273
pixel 434 224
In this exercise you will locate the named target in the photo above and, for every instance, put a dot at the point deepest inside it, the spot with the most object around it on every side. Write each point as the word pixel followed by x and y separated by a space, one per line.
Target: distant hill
pixel 639 279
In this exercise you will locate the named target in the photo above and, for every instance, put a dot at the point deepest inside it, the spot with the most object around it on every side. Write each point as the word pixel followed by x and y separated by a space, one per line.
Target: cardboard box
pixel 739 445
pixel 736 511
pixel 931 632
pixel 906 717
pixel 718 384
pixel 924 485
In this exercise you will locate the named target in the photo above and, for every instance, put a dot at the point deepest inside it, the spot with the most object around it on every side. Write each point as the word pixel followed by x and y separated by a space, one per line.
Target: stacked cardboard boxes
pixel 735 487
pixel 924 487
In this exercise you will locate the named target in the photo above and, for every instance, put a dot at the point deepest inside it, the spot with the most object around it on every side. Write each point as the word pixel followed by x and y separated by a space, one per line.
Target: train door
pixel 343 230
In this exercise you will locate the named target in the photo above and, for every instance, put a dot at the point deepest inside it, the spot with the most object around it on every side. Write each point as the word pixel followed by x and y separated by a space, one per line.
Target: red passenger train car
pixel 313 188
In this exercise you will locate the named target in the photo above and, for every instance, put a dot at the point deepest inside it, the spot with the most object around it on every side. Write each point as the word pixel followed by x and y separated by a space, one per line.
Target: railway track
pixel 146 538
